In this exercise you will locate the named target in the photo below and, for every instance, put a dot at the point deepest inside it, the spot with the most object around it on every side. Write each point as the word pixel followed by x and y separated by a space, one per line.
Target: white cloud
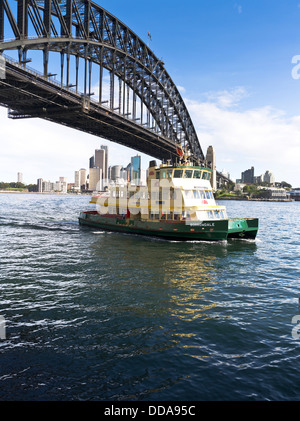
pixel 263 137
pixel 239 8
pixel 41 149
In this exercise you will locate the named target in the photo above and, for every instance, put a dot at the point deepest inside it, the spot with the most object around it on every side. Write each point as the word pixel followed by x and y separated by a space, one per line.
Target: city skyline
pixel 235 75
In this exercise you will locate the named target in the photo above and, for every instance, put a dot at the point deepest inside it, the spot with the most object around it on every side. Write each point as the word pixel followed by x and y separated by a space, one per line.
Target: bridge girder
pixel 86 31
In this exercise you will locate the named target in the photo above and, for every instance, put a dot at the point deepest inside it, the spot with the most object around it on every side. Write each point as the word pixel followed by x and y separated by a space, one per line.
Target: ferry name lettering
pixel 207 224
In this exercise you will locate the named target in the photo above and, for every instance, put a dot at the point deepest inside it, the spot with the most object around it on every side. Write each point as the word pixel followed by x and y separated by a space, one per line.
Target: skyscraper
pixel 40 185
pixel 92 162
pixel 95 179
pixel 248 176
pixel 105 170
pixel 136 169
pixel 82 178
pixel 20 177
pixel 77 181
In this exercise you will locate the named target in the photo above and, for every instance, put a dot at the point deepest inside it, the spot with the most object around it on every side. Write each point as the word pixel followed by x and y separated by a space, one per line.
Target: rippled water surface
pixel 105 316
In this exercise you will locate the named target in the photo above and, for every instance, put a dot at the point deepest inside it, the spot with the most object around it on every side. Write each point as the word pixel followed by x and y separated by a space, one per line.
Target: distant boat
pixel 177 203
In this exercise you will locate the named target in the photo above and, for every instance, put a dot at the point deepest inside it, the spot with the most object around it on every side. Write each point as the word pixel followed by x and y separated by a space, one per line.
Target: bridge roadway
pixel 28 94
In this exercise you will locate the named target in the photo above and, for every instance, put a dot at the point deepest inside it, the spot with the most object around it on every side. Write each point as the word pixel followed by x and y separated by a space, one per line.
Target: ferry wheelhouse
pixel 176 203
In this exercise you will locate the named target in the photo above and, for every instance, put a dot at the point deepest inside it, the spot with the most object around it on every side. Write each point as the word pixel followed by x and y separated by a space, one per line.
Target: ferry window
pixel 208 176
pixel 222 214
pixel 188 174
pixel 210 215
pixel 197 174
pixel 157 174
pixel 188 194
pixel 156 216
pixel 170 216
pixel 207 195
pixel 217 215
pixel 211 195
pixel 176 217
pixel 202 194
pixel 163 216
pixel 204 175
pixel 178 173
pixel 169 173
pixel 196 194
pixel 163 174
pixel 204 215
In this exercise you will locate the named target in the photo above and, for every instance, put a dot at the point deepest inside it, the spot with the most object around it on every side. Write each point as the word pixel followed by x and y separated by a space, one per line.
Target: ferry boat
pixel 177 203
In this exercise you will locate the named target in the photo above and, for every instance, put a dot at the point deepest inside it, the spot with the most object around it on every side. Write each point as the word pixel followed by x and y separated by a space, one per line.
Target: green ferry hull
pixel 216 230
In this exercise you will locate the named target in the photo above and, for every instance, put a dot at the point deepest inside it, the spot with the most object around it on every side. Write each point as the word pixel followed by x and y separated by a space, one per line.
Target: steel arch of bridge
pixel 155 115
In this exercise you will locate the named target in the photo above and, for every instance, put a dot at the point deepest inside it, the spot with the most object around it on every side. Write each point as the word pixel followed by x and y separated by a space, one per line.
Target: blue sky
pixel 232 61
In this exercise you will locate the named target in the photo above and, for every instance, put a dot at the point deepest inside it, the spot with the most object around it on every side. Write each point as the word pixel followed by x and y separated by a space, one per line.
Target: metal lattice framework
pixel 144 109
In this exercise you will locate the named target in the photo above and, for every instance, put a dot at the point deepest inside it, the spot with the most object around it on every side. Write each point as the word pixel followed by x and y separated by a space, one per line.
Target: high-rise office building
pixel 40 185
pixel 101 160
pixel 95 179
pixel 82 178
pixel 77 181
pixel 92 162
pixel 248 176
pixel 269 177
pixel 20 177
pixel 136 169
pixel 116 172
pixel 105 169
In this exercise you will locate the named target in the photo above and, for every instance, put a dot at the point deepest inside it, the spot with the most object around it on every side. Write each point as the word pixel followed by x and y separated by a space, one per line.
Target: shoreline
pixel 88 194
pixel 44 193
pixel 257 200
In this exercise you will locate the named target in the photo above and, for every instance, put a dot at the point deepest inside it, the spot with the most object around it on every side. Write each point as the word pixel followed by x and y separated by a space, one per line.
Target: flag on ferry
pixel 179 151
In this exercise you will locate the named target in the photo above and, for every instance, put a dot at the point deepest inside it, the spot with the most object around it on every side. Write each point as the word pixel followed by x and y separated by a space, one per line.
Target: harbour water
pixel 91 315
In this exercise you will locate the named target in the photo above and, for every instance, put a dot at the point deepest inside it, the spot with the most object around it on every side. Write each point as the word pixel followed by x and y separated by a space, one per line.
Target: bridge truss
pixel 135 103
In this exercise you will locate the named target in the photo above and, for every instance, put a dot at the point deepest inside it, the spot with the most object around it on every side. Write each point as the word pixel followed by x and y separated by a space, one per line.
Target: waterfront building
pixel 47 186
pixel 95 179
pixel 77 181
pixel 269 177
pixel 295 194
pixel 274 193
pixel 116 171
pixel 225 174
pixel 211 161
pixel 136 169
pixel 40 185
pixel 105 169
pixel 248 176
pixel 92 162
pixel 128 170
pixel 82 178
pixel 20 177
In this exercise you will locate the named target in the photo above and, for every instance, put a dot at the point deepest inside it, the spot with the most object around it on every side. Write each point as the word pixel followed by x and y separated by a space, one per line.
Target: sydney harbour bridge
pixel 73 63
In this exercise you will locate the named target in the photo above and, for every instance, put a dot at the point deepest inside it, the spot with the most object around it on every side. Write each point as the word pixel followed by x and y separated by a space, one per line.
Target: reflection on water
pixel 106 316
pixel 178 276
